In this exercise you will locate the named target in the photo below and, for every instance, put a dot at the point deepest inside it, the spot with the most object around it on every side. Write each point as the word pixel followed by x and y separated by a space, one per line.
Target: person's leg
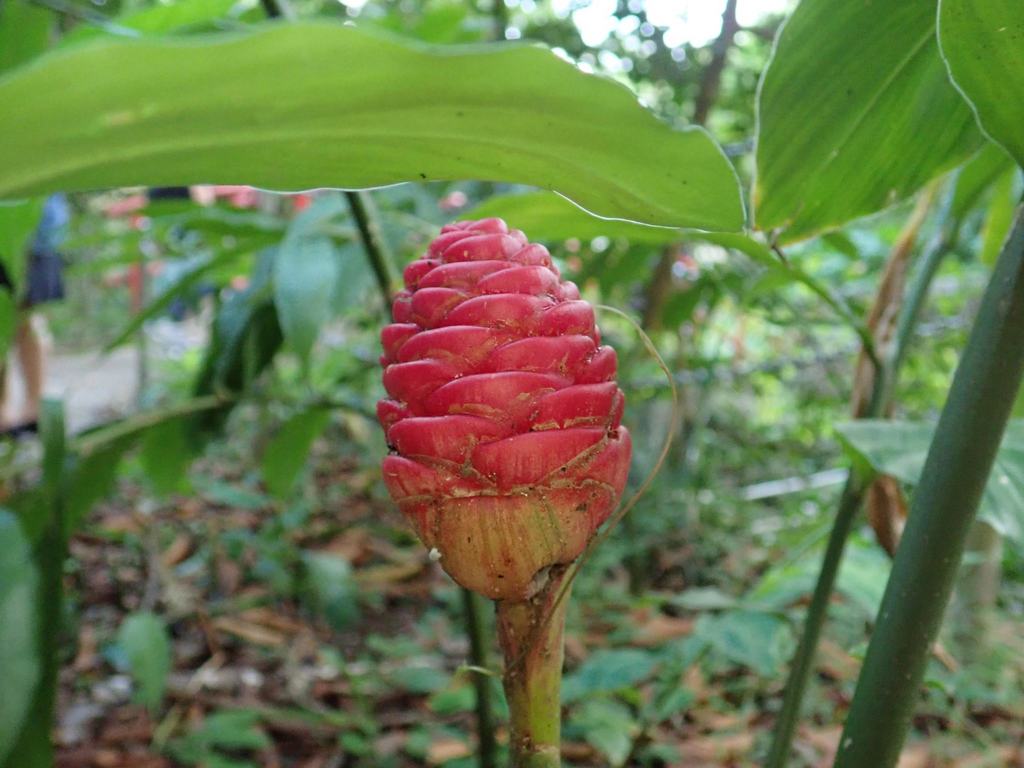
pixel 31 357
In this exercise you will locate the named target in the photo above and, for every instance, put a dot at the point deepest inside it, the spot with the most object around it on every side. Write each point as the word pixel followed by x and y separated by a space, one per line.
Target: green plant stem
pixel 855 489
pixel 959 461
pixel 373 243
pixel 531 635
pixel 34 746
pixel 796 684
pixel 917 292
pixel 803 662
pixel 478 656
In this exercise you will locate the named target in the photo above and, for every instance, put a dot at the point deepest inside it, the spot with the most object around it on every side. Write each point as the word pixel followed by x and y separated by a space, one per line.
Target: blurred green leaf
pixel 213 219
pixel 862 579
pixel 230 495
pixel 983 44
pixel 855 112
pixel 286 453
pixel 53 433
pixel 671 700
pixel 92 477
pixel 437 23
pixel 761 641
pixel 332 588
pixel 899 448
pixel 419 679
pixel 999 217
pixel 180 287
pixel 230 731
pixel 355 278
pixel 318 104
pixel 157 19
pixel 608 670
pixel 233 730
pixel 306 273
pixel 145 643
pixel 453 700
pixel 19 658
pixel 608 726
pixel 167 451
pixel 977 177
pixel 246 337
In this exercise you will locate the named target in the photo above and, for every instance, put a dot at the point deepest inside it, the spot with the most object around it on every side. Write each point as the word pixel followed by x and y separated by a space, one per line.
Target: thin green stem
pixel 959 462
pixel 531 635
pixel 917 293
pixel 478 656
pixel 854 491
pixel 374 245
pixel 796 684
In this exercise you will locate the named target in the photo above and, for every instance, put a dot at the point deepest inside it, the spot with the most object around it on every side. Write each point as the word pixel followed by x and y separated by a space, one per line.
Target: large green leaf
pixel 25 29
pixel 855 112
pixel 325 105
pixel 19 658
pixel 900 448
pixel 983 44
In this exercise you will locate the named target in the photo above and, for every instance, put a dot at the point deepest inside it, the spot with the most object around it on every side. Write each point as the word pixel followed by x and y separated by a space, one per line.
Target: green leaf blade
pixel 19 657
pixel 983 45
pixel 855 112
pixel 899 448
pixel 24 31
pixel 323 105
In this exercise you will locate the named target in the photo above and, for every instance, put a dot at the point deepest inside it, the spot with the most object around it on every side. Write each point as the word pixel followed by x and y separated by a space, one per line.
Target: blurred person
pixel 44 282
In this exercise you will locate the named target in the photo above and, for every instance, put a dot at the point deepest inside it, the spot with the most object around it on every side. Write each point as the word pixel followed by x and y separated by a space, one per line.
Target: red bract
pixel 503 415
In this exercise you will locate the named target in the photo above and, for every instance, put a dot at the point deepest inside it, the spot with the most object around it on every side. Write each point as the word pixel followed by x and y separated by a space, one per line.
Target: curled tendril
pixel 573 570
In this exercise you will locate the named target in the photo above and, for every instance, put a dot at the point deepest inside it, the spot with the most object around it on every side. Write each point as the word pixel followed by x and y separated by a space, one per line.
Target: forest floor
pixel 259 679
